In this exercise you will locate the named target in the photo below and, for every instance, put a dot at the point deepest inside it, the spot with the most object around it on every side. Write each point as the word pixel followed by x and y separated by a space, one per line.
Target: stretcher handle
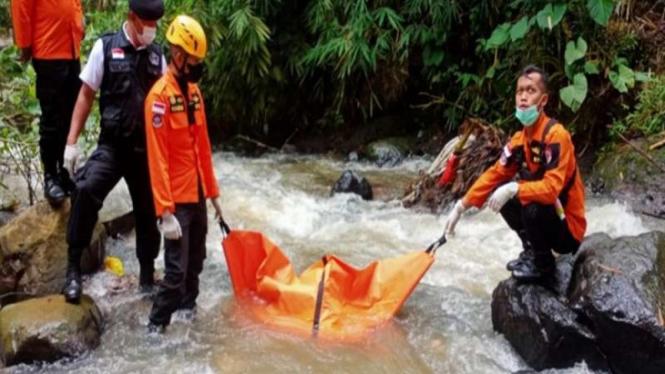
pixel 434 246
pixel 226 230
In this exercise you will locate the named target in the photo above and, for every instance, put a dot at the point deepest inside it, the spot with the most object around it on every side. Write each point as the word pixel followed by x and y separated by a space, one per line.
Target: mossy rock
pixel 619 166
pixel 47 329
pixel 33 250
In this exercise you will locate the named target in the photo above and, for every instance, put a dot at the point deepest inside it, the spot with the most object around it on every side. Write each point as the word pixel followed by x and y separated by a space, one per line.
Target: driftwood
pixel 657 145
pixel 477 156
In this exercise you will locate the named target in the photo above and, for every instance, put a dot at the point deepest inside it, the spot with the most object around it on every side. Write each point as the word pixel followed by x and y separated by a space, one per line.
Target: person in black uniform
pixel 123 66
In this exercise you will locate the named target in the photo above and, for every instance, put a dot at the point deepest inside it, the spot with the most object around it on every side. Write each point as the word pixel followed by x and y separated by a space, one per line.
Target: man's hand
pixel 170 226
pixel 218 209
pixel 26 55
pixel 501 196
pixel 72 154
pixel 454 217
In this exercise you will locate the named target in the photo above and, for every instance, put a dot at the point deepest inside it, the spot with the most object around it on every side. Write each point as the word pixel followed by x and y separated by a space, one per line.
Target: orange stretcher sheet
pixel 330 299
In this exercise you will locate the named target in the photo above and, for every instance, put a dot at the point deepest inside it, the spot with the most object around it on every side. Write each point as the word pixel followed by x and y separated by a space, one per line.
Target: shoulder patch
pixel 506 153
pixel 158 108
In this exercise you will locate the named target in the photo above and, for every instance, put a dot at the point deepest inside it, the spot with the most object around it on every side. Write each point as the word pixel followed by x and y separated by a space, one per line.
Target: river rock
pixel 351 182
pixel 387 152
pixel 120 225
pixel 33 250
pixel 47 329
pixel 606 308
pixel 625 174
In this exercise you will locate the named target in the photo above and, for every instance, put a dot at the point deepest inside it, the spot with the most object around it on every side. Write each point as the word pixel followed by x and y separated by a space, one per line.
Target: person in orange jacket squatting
pixel 545 206
pixel 49 33
pixel 181 170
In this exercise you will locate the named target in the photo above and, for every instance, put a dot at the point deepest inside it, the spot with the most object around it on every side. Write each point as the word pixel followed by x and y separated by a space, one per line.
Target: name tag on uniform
pixel 117 54
pixel 177 103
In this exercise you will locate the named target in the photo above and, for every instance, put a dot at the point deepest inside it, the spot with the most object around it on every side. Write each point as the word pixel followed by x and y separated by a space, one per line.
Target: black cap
pixel 148 10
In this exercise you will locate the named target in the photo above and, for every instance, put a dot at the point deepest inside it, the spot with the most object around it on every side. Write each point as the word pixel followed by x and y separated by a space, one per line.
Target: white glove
pixel 218 208
pixel 501 196
pixel 170 226
pixel 454 217
pixel 72 154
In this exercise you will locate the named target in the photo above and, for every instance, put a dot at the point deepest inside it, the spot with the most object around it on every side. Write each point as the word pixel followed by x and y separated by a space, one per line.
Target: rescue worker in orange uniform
pixel 49 33
pixel 181 169
pixel 545 205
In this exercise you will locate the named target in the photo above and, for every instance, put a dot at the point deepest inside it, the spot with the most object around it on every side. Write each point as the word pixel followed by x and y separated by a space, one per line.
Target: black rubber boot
pixel 528 271
pixel 66 182
pixel 53 193
pixel 147 279
pixel 526 256
pixel 73 286
pixel 154 328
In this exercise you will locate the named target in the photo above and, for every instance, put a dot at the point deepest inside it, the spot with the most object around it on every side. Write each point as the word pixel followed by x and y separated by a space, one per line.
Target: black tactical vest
pixel 128 76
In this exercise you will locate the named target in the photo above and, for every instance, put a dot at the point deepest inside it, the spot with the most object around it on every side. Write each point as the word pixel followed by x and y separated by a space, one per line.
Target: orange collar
pixel 533 131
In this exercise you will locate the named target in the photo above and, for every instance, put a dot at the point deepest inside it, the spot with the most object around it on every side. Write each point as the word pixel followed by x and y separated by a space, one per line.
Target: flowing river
pixel 445 327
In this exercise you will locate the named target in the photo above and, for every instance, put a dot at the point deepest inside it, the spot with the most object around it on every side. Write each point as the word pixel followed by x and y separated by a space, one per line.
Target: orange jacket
pixel 53 28
pixel 178 153
pixel 561 166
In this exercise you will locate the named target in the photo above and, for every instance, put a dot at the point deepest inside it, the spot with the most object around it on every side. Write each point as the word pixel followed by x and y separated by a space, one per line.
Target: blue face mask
pixel 527 116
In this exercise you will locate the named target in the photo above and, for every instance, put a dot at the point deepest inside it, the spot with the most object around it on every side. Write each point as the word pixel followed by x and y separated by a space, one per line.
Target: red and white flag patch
pixel 158 108
pixel 117 54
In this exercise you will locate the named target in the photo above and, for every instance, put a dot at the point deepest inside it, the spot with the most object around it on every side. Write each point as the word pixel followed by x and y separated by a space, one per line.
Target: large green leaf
pixel 499 36
pixel 600 10
pixel 575 94
pixel 591 67
pixel 432 56
pixel 551 15
pixel 641 76
pixel 518 30
pixel 624 79
pixel 575 51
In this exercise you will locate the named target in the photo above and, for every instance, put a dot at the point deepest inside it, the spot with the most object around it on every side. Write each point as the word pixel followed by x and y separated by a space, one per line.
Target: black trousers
pixel 94 181
pixel 58 86
pixel 542 227
pixel 183 263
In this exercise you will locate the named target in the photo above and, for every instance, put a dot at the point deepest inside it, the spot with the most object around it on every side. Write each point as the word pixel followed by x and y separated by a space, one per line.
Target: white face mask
pixel 148 35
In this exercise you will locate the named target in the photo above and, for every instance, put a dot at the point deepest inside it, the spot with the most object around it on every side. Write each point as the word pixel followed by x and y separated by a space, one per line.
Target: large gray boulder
pixel 606 308
pixel 351 182
pixel 388 152
pixel 47 329
pixel 33 250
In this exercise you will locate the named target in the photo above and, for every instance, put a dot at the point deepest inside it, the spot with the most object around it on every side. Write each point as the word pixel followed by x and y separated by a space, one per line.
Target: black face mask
pixel 195 73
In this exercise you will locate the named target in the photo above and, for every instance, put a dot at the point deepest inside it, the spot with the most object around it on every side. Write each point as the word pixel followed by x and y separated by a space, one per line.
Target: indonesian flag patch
pixel 506 153
pixel 158 108
pixel 117 54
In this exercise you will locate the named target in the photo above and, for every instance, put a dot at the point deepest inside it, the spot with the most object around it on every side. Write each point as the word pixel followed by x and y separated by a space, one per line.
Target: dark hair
pixel 544 77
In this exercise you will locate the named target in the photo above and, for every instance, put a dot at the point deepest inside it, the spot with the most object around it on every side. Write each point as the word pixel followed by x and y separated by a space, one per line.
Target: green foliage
pixel 649 115
pixel 19 131
pixel 600 10
pixel 551 15
pixel 278 67
pixel 5 17
pixel 575 94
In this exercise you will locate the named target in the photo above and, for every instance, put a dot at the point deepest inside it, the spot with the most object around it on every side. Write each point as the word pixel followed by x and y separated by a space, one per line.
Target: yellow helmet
pixel 187 33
